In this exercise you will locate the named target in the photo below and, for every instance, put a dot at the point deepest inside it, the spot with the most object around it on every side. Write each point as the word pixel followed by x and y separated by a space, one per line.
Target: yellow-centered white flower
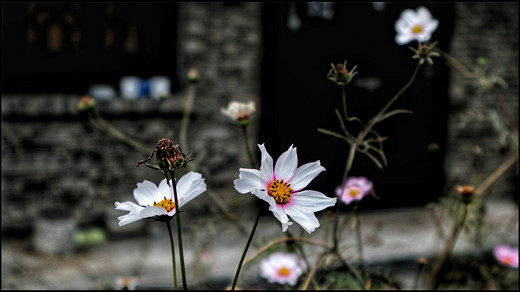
pixel 415 25
pixel 282 187
pixel 159 201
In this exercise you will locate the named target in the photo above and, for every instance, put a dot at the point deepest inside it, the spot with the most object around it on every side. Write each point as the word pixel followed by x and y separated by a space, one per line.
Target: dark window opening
pixel 66 47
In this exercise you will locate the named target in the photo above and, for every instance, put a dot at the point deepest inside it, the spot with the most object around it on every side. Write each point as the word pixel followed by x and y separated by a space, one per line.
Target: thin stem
pixel 186 115
pixel 248 149
pixel 313 271
pixel 383 110
pixel 103 125
pixel 245 250
pixel 173 255
pixel 448 249
pixel 179 233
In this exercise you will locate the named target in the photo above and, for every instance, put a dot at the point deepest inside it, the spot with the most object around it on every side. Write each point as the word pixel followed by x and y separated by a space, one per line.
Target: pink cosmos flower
pixel 355 189
pixel 282 268
pixel 507 255
pixel 282 187
pixel 415 25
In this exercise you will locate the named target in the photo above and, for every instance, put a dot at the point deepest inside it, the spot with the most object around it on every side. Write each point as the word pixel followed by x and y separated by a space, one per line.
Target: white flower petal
pixel 249 180
pixel 266 166
pixel 164 190
pixel 305 174
pixel 151 211
pixel 146 193
pixel 189 187
pixel 262 194
pixel 279 213
pixel 128 218
pixel 128 206
pixel 312 200
pixel 305 218
pixel 286 165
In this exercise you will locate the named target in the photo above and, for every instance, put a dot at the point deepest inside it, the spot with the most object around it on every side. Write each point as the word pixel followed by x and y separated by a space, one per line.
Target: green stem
pixel 179 233
pixel 383 110
pixel 102 124
pixel 245 250
pixel 248 149
pixel 173 255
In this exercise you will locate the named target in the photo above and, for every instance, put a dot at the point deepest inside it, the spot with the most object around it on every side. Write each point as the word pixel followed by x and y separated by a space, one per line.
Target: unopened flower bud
pixel 193 75
pixel 466 193
pixel 86 103
pixel 425 52
pixel 340 75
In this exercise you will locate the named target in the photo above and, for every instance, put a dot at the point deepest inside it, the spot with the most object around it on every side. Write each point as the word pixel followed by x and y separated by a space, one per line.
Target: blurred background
pixel 59 167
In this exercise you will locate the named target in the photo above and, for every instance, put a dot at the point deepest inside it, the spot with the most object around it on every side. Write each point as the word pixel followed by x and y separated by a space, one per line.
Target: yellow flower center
pixel 167 204
pixel 417 29
pixel 507 260
pixel 353 192
pixel 284 272
pixel 280 191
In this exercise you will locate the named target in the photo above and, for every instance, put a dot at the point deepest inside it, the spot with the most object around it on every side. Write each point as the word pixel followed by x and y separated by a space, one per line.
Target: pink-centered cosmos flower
pixel 153 201
pixel 282 268
pixel 506 255
pixel 354 190
pixel 282 187
pixel 415 25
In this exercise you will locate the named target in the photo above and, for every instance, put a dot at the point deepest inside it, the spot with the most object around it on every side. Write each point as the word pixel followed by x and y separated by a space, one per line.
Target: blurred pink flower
pixel 415 25
pixel 282 268
pixel 506 255
pixel 354 190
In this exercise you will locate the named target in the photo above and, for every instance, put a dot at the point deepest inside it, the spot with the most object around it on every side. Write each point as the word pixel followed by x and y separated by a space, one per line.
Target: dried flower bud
pixel 169 156
pixel 466 193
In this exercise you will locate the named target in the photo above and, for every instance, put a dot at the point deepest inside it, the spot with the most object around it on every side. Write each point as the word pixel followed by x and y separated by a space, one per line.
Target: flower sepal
pixel 425 52
pixel 340 75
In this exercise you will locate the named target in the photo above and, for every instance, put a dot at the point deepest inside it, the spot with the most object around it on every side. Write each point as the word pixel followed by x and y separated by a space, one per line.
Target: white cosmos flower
pixel 159 201
pixel 415 25
pixel 282 187
pixel 239 111
pixel 282 268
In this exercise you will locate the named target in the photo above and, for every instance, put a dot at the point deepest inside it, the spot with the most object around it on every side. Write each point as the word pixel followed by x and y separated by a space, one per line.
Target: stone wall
pixel 489 31
pixel 53 160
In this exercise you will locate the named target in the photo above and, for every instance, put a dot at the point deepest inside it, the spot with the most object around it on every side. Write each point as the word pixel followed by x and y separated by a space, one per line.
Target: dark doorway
pixel 302 41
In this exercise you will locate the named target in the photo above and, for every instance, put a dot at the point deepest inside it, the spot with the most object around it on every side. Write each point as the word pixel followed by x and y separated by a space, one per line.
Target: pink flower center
pixel 281 191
